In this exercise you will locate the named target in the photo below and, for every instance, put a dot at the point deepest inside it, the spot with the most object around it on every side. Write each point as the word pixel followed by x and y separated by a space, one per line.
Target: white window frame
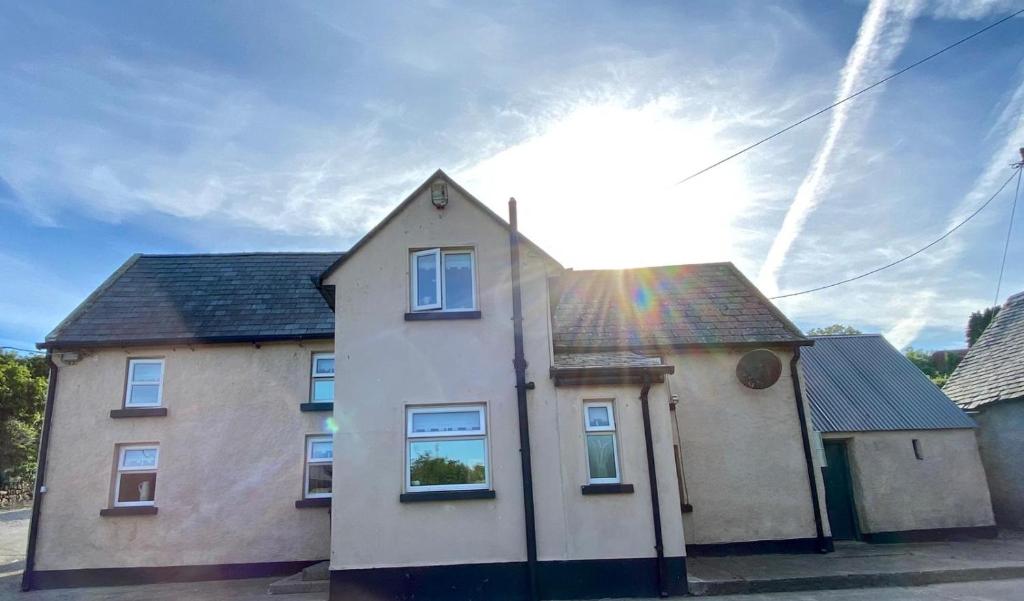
pixel 610 428
pixel 314 376
pixel 311 461
pixel 130 380
pixel 121 469
pixel 439 255
pixel 480 434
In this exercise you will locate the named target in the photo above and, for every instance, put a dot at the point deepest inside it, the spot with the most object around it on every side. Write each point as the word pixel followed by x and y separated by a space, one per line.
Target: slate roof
pixel 993 369
pixel 862 383
pixel 612 359
pixel 709 304
pixel 203 298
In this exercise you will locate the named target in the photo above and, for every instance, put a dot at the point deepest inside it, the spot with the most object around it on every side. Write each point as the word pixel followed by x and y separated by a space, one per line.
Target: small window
pixel 145 383
pixel 443 280
pixel 447 448
pixel 136 476
pixel 319 466
pixel 602 447
pixel 917 448
pixel 321 389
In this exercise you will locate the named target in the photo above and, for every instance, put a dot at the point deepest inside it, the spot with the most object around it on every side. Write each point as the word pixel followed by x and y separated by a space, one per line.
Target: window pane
pixel 601 454
pixel 320 478
pixel 146 372
pixel 426 280
pixel 139 458
pixel 598 417
pixel 447 462
pixel 323 389
pixel 458 281
pixel 136 487
pixel 447 421
pixel 321 449
pixel 144 394
pixel 325 365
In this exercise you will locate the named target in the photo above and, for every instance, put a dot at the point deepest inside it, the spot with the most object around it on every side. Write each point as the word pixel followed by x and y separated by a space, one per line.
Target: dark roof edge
pixel 255 253
pixel 408 200
pixel 683 347
pixel 72 344
pixel 612 369
pixel 771 306
pixel 89 300
pixel 608 375
pixel 929 428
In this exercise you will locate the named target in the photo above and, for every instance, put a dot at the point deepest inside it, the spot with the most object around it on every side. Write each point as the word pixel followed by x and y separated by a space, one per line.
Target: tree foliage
pixel 836 328
pixel 977 323
pixel 937 366
pixel 22 396
pixel 428 469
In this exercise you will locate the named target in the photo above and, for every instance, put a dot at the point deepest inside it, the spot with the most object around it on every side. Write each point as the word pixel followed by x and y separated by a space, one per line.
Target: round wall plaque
pixel 759 369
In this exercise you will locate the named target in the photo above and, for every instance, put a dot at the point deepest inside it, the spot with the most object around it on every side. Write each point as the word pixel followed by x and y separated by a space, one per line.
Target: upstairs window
pixel 145 383
pixel 136 476
pixel 447 448
pixel 319 466
pixel 443 280
pixel 602 446
pixel 321 389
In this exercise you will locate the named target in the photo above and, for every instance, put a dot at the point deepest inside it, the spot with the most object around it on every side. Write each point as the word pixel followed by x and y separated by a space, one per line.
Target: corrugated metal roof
pixel 862 383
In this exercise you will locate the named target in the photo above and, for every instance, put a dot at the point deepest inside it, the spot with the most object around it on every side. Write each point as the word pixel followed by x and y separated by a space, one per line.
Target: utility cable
pixel 1009 230
pixel 850 97
pixel 1016 174
pixel 20 350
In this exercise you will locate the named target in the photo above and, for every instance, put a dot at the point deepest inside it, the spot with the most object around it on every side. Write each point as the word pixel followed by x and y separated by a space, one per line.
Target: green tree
pixel 22 396
pixel 937 366
pixel 836 328
pixel 977 323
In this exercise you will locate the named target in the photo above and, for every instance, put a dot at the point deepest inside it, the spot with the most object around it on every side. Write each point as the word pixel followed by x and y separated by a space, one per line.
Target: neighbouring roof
pixel 679 306
pixel 861 383
pixel 203 298
pixel 993 369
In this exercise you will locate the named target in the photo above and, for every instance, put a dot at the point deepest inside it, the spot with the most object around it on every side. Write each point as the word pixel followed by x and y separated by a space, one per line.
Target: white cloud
pixel 884 31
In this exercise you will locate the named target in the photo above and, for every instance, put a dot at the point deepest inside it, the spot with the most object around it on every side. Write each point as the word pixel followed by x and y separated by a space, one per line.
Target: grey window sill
pixel 441 315
pixel 139 412
pixel 120 511
pixel 445 495
pixel 315 502
pixel 607 489
pixel 307 407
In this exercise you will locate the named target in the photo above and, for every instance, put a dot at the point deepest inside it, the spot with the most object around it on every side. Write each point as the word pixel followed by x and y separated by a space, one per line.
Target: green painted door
pixel 838 492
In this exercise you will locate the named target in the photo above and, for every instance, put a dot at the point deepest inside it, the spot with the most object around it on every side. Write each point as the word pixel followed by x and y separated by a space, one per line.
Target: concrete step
pixel 708 587
pixel 317 571
pixel 296 584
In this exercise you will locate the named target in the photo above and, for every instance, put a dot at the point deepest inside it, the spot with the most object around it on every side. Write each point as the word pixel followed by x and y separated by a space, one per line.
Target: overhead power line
pixel 1016 173
pixel 850 97
pixel 20 350
pixel 1009 228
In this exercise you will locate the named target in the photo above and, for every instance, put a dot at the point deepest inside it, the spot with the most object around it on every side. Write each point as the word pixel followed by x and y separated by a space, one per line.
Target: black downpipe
pixel 823 546
pixel 37 497
pixel 519 362
pixel 659 546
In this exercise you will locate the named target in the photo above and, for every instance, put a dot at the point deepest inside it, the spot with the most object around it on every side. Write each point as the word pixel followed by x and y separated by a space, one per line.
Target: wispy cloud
pixel 884 31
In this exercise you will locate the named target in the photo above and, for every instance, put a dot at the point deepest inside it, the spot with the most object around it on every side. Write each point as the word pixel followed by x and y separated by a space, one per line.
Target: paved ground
pixel 14 528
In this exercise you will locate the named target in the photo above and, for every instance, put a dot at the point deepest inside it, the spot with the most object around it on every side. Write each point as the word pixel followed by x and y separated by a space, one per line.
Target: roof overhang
pixel 610 375
pixel 82 344
pixel 663 348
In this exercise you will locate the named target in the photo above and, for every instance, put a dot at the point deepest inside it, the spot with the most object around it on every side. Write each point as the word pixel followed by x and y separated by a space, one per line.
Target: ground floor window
pixel 136 475
pixel 602 446
pixel 446 448
pixel 319 466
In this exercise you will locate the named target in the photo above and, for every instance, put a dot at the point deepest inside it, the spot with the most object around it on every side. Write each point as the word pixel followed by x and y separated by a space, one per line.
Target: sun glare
pixel 596 186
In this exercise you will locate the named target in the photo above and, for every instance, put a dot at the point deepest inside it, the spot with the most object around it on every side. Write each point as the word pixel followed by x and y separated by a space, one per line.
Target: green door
pixel 839 492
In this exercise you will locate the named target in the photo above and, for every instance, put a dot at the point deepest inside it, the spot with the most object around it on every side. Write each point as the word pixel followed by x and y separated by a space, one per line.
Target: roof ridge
pixel 242 254
pixel 862 334
pixel 611 269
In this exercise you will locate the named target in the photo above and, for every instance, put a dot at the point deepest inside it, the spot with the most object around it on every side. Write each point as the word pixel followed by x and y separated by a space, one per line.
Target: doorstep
pixel 861 565
pixel 314 579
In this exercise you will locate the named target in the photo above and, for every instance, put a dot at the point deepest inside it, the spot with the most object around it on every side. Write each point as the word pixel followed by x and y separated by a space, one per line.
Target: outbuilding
pixel 900 459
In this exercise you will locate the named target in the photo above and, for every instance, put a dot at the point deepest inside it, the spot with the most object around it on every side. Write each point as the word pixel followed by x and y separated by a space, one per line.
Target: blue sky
pixel 211 127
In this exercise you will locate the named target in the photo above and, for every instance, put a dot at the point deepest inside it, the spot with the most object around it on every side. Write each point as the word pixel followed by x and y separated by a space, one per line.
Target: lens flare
pixel 330 425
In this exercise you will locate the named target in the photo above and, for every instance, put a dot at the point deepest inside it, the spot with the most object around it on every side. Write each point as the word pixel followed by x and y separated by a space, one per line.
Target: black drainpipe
pixel 652 476
pixel 37 497
pixel 823 546
pixel 519 362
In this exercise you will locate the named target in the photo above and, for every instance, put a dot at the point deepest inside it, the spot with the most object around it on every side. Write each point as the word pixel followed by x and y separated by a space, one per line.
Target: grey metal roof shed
pixel 862 383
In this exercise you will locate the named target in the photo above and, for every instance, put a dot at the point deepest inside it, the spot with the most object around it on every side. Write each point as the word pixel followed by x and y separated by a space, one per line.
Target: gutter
pixel 580 376
pixel 40 488
pixel 241 339
pixel 823 545
pixel 519 363
pixel 652 476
